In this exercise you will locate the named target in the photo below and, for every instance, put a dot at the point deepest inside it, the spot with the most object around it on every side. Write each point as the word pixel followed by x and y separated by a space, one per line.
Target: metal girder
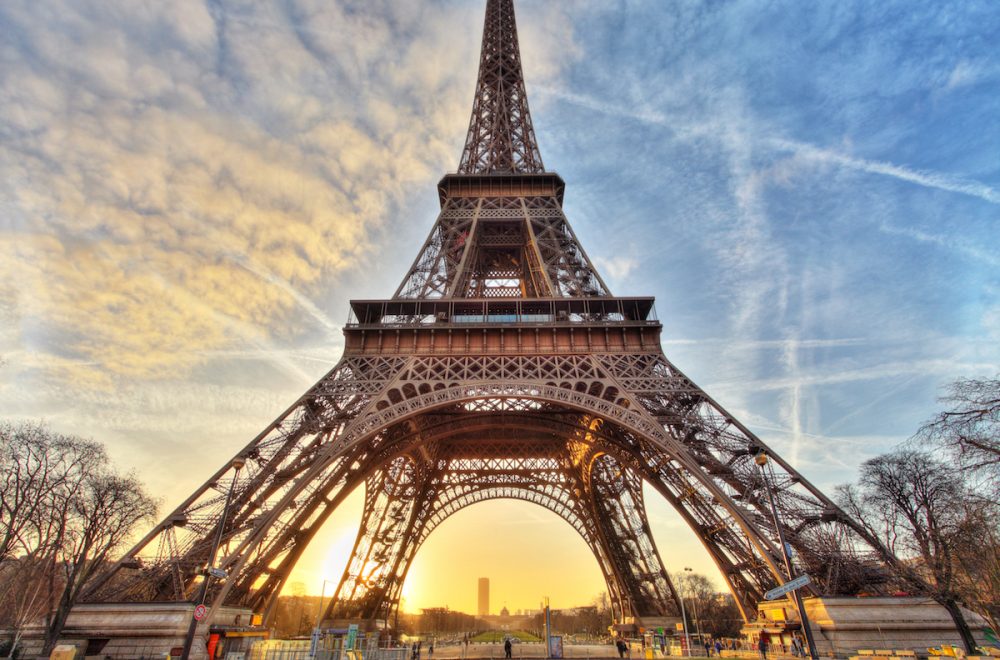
pixel 534 462
pixel 676 438
pixel 501 138
pixel 616 494
pixel 517 247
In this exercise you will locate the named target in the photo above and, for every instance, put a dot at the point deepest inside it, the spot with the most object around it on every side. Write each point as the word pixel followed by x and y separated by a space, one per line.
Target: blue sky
pixel 190 192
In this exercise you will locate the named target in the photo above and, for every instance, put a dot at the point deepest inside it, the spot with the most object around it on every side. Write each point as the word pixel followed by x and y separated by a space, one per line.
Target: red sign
pixel 199 612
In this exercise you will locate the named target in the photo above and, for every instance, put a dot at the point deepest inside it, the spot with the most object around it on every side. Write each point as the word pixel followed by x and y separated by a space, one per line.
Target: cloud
pixel 156 155
pixel 686 128
pixel 761 344
pixel 331 327
pixel 966 73
pixel 947 242
pixel 832 376
pixel 618 267
pixel 927 179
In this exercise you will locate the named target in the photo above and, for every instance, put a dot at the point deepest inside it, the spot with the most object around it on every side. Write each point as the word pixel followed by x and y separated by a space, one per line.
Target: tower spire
pixel 501 139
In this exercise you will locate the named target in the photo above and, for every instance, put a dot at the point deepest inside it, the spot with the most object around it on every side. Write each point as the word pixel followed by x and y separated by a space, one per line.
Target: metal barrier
pixel 328 649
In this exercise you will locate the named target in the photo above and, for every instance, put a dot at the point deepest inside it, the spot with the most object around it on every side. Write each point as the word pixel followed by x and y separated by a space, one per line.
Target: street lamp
pixel 319 621
pixel 786 553
pixel 694 601
pixel 210 570
pixel 684 622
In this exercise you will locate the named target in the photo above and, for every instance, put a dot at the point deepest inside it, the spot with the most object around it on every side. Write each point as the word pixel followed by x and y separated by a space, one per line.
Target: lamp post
pixel 694 602
pixel 319 621
pixel 207 573
pixel 786 553
pixel 684 622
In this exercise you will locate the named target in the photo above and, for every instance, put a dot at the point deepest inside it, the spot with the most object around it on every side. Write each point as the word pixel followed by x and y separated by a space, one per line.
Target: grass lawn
pixel 499 635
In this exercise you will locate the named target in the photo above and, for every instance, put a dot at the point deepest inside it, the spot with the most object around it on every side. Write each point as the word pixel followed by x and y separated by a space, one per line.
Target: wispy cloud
pixel 685 129
pixel 875 372
pixel 761 344
pixel 936 180
pixel 326 355
pixel 169 156
pixel 332 328
pixel 959 245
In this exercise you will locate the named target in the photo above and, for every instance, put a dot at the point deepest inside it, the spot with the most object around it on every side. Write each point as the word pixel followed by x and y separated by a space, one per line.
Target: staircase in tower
pixel 502 367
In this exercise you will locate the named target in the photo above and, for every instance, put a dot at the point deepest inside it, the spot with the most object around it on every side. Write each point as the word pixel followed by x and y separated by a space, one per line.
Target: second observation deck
pixel 525 312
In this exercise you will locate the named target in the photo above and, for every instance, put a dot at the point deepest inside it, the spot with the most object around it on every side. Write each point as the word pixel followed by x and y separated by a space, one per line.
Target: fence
pixel 327 649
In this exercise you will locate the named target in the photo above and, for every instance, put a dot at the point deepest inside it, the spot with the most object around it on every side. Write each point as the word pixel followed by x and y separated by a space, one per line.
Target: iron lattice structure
pixel 501 368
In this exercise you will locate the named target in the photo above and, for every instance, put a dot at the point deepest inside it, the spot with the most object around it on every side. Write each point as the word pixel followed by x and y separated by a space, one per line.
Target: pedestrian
pixel 419 644
pixel 413 651
pixel 430 650
pixel 506 648
pixel 718 648
pixel 797 649
pixel 708 649
pixel 762 645
pixel 621 647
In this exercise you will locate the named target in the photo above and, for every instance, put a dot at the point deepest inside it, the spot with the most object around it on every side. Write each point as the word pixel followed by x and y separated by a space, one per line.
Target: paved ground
pixel 527 650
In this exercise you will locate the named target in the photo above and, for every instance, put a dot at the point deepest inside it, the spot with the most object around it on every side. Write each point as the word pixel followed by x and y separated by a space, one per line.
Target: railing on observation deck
pixel 501 312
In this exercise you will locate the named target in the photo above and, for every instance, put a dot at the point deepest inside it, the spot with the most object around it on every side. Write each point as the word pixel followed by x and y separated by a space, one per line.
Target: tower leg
pixel 616 497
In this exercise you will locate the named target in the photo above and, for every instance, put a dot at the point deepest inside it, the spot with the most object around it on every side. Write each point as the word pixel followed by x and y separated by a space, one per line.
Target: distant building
pixel 484 596
pixel 504 612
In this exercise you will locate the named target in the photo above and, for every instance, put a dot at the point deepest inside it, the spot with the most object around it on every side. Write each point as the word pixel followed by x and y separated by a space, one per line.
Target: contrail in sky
pixel 921 178
pixel 684 128
pixel 328 324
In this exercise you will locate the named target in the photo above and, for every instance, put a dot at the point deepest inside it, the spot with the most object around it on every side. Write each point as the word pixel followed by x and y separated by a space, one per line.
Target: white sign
pixel 218 573
pixel 791 585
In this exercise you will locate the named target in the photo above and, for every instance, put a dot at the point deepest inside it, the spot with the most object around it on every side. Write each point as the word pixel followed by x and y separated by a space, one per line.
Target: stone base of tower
pixel 842 626
pixel 146 630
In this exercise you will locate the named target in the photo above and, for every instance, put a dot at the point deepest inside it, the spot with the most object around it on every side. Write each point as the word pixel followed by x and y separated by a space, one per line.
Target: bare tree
pixel 99 516
pixel 34 463
pixel 914 504
pixel 603 613
pixel 714 614
pixel 977 553
pixel 37 464
pixel 65 510
pixel 969 429
pixel 24 595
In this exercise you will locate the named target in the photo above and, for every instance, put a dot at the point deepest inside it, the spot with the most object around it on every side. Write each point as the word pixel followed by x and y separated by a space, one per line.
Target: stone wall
pixel 841 626
pixel 134 630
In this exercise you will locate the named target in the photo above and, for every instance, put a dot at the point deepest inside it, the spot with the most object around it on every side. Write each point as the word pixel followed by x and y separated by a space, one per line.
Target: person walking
pixel 762 645
pixel 622 647
pixel 797 649
pixel 506 648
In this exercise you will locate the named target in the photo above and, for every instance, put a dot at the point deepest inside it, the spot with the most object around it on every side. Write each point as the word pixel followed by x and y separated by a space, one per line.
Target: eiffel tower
pixel 502 367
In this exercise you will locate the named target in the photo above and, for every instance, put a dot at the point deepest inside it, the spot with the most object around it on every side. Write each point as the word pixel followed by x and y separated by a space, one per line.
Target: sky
pixel 191 192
